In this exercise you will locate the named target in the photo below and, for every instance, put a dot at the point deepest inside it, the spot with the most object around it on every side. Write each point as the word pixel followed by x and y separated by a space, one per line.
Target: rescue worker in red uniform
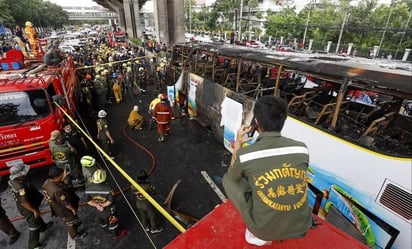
pixel 100 195
pixel 163 114
pixel 63 201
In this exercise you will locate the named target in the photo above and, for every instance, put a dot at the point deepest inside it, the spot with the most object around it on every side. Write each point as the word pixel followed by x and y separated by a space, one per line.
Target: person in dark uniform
pixel 63 201
pixel 100 195
pixel 7 227
pixel 28 200
pixel 145 208
pixel 75 139
pixel 266 181
pixel 103 133
pixel 64 155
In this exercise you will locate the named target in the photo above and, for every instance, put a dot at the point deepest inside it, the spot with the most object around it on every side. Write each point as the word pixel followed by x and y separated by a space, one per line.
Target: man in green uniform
pixel 100 195
pixel 63 201
pixel 28 200
pixel 267 181
pixel 7 227
pixel 64 155
pixel 145 208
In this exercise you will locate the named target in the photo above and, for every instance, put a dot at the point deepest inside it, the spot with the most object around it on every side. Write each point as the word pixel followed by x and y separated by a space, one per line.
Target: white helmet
pixel 101 114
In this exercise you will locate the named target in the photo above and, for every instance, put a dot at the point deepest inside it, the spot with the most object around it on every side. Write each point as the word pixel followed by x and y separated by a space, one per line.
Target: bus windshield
pixel 120 38
pixel 23 106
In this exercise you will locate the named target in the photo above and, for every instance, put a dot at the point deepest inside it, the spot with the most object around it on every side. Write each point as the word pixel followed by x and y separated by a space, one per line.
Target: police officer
pixel 145 208
pixel 28 200
pixel 63 201
pixel 100 195
pixel 7 227
pixel 103 133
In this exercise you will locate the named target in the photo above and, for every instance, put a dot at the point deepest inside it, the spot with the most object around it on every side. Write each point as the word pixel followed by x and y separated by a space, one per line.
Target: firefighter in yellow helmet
pixel 32 38
pixel 100 195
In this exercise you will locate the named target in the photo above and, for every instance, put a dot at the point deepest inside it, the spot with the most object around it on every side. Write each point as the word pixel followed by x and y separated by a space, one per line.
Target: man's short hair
pixel 270 113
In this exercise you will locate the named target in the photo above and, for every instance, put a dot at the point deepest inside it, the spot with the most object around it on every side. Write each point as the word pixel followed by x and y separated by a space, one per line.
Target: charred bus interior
pixel 364 104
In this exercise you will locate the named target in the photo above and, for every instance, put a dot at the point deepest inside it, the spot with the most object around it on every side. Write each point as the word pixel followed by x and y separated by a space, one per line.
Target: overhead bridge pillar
pixel 169 18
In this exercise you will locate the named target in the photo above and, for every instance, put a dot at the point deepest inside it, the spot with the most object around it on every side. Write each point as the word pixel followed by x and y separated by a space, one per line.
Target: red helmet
pixel 163 96
pixel 88 77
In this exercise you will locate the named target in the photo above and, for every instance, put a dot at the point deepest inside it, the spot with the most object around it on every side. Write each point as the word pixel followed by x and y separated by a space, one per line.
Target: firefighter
pixel 129 80
pixel 103 133
pixel 163 114
pixel 21 41
pixel 135 120
pixel 152 105
pixel 101 91
pixel 7 227
pixel 28 200
pixel 142 79
pixel 89 166
pixel 63 201
pixel 52 142
pixel 100 196
pixel 145 208
pixel 117 91
pixel 32 38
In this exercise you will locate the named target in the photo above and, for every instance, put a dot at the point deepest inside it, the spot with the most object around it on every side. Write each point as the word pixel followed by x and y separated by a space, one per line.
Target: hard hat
pixel 124 65
pixel 129 69
pixel 135 108
pixel 28 23
pixel 103 72
pixel 87 161
pixel 99 176
pixel 162 64
pixel 101 114
pixel 97 77
pixel 129 63
pixel 141 69
pixel 159 96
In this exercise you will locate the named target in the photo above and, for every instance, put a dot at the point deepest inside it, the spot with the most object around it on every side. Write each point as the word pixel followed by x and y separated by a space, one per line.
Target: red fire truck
pixel 27 110
pixel 118 39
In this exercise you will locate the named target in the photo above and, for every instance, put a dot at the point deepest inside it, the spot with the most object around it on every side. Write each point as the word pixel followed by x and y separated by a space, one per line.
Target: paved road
pixel 189 150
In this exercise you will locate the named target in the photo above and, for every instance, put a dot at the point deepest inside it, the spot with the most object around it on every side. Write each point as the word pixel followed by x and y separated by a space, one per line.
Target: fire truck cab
pixel 118 39
pixel 28 113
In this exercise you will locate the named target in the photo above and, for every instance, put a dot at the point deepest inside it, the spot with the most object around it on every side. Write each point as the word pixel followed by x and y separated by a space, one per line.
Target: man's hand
pixel 241 136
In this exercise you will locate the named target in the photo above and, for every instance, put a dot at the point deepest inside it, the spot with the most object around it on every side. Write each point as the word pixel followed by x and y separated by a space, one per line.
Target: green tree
pixel 6 17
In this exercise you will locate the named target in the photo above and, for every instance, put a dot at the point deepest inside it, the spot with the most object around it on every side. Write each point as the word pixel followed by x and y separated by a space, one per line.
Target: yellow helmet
pixel 99 176
pixel 88 161
pixel 28 23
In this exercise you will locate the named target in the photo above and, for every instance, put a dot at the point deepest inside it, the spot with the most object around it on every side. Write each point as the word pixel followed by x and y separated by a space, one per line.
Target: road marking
pixel 71 243
pixel 214 186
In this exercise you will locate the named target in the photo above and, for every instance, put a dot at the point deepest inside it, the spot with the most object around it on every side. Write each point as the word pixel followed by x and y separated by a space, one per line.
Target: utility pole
pixel 190 16
pixel 403 34
pixel 386 27
pixel 345 18
pixel 307 22
pixel 240 20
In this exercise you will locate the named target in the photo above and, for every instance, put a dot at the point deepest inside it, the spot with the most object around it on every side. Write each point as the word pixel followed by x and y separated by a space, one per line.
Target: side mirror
pixel 58 99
